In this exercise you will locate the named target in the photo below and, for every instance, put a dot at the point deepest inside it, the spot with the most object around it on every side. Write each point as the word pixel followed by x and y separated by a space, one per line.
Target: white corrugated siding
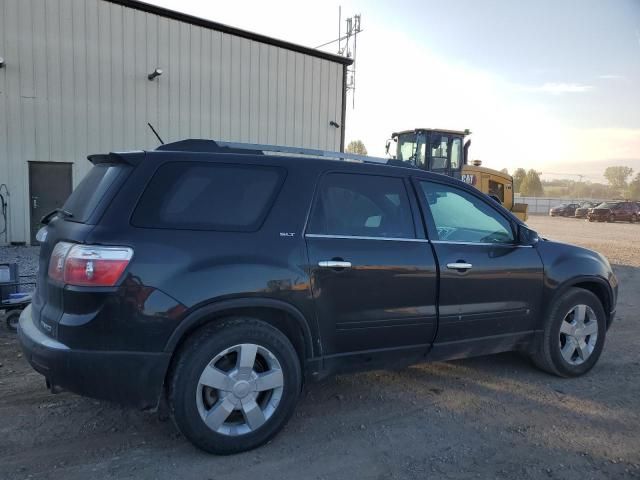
pixel 75 83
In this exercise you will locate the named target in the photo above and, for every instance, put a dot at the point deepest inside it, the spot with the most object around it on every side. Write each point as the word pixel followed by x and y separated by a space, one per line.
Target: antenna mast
pixel 347 47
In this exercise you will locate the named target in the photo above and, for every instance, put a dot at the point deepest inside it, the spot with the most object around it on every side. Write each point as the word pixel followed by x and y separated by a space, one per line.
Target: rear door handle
pixel 459 266
pixel 334 264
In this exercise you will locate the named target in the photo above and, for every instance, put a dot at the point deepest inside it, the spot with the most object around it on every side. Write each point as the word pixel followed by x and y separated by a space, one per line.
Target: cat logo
pixel 469 178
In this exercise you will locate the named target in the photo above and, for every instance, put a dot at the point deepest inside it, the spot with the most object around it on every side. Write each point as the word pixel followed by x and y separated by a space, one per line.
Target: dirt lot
pixel 490 417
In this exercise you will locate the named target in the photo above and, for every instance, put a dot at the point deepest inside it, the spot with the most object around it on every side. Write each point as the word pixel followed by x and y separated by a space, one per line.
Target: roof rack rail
pixel 312 152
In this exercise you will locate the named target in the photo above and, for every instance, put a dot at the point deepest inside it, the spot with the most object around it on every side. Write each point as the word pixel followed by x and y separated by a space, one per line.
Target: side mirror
pixel 526 236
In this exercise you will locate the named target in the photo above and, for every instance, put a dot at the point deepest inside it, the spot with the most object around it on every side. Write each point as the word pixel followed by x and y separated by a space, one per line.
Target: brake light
pixel 88 265
pixel 56 262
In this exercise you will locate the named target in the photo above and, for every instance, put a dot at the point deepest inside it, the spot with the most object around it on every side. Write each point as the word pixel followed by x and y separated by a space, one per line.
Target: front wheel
pixel 612 218
pixel 634 218
pixel 573 336
pixel 234 385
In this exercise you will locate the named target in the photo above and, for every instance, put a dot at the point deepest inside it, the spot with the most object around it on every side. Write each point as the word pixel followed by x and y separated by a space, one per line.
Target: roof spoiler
pixel 114 157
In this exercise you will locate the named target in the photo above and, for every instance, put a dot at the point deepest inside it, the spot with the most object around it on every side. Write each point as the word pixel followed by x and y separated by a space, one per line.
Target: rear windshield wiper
pixel 56 211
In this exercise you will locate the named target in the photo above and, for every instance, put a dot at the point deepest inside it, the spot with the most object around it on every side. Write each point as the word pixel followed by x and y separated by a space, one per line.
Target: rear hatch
pixel 73 223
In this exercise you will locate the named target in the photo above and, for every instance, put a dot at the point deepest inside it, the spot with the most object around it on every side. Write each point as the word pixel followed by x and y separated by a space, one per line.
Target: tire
pixel 612 218
pixel 548 353
pixel 190 401
pixel 12 318
pixel 634 218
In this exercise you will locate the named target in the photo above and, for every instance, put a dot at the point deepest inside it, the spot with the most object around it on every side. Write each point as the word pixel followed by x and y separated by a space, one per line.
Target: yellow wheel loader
pixel 446 152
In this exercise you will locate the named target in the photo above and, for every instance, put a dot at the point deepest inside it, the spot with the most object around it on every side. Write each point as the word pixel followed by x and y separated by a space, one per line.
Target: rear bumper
pixel 128 378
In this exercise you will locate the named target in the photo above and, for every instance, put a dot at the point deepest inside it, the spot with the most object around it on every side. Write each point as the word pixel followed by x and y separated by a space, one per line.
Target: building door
pixel 49 187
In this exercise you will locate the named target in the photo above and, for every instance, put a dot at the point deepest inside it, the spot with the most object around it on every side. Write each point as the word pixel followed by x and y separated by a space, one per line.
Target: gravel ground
pixel 489 417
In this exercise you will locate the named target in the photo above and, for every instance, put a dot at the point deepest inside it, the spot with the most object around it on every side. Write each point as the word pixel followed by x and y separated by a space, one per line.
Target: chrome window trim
pixel 512 245
pixel 358 237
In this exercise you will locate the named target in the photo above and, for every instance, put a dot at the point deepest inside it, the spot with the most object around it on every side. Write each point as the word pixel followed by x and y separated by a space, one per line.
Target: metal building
pixel 76 77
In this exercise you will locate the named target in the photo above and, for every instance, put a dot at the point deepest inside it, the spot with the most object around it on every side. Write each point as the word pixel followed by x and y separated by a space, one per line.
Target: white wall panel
pixel 75 83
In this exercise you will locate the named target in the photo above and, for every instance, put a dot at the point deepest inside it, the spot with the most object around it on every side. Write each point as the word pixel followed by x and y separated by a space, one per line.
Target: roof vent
pixel 476 163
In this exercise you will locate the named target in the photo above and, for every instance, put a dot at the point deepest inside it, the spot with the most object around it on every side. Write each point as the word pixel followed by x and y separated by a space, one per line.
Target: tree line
pixel 620 184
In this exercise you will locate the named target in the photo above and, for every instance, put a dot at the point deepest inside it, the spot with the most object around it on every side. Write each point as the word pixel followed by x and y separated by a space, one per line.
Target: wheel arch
pixel 281 315
pixel 594 284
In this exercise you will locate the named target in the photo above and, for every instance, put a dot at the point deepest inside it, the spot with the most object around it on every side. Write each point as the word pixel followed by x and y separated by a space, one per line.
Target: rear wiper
pixel 56 211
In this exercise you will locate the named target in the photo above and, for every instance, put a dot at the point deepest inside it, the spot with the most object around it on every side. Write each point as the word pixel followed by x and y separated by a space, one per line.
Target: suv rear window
pixel 204 196
pixel 84 199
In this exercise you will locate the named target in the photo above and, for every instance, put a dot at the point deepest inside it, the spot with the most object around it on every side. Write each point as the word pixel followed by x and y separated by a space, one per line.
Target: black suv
pixel 216 280
pixel 614 211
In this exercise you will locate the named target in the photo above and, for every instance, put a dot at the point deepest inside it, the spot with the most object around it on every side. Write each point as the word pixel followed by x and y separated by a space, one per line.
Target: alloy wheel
pixel 240 389
pixel 578 334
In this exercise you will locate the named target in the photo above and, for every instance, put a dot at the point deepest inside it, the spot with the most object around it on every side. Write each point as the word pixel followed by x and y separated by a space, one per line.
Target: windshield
pixel 606 205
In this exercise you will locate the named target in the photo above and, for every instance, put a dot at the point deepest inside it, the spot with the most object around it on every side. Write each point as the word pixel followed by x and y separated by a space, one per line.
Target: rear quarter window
pixel 85 198
pixel 207 196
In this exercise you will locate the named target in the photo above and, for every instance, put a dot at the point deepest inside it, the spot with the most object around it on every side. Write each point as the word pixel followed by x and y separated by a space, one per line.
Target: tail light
pixel 88 265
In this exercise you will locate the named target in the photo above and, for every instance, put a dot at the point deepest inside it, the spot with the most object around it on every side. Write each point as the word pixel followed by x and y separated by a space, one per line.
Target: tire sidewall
pixel 561 308
pixel 194 360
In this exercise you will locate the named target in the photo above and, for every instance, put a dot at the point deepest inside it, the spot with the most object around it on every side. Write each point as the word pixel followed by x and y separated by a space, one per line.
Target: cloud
pixel 611 77
pixel 559 88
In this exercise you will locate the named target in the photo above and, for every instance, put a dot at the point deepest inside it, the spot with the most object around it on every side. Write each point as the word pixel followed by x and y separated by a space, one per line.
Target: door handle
pixel 459 266
pixel 334 264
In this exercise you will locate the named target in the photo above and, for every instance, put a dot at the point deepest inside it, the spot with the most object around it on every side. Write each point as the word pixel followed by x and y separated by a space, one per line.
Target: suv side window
pixel 208 196
pixel 362 205
pixel 462 217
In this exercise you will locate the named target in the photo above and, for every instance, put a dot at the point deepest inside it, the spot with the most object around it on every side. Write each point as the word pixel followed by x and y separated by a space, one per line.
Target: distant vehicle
pixel 582 211
pixel 614 212
pixel 564 210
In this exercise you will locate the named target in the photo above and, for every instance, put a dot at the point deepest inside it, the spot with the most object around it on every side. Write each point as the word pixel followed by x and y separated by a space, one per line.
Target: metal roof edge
pixel 220 27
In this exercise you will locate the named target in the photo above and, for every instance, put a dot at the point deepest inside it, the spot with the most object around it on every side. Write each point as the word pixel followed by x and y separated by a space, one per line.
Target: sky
pixel 552 85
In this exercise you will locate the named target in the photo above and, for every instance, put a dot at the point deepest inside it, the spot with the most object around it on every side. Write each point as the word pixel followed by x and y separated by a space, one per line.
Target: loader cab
pixel 439 151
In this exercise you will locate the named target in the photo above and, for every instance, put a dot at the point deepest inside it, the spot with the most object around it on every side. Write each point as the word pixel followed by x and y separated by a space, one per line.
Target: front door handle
pixel 459 266
pixel 334 264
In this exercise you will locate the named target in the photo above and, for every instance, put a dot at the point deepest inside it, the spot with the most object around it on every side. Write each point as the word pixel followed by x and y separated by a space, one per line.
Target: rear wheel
pixel 573 336
pixel 234 385
pixel 634 218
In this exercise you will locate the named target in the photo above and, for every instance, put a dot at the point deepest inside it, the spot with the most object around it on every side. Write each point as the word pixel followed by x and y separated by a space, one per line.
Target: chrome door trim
pixel 482 243
pixel 356 237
